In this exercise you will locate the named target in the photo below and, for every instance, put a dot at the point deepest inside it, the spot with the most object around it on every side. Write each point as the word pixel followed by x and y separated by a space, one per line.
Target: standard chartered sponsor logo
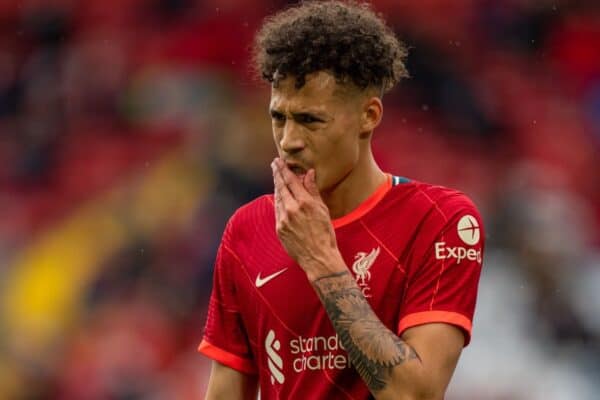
pixel 307 354
pixel 317 353
pixel 274 361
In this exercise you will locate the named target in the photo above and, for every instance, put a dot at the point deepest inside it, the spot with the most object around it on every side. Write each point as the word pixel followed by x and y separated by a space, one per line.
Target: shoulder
pixel 439 219
pixel 445 203
pixel 453 219
pixel 411 204
pixel 250 217
pixel 420 200
pixel 254 210
pixel 430 209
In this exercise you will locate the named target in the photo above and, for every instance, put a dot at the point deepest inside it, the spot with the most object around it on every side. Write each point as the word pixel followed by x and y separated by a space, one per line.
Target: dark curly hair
pixel 347 39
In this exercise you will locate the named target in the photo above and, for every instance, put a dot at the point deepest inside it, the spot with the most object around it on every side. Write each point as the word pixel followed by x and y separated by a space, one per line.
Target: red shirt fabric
pixel 415 250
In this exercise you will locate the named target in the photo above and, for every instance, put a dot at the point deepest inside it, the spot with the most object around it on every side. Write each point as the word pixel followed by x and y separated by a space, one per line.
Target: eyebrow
pixel 299 114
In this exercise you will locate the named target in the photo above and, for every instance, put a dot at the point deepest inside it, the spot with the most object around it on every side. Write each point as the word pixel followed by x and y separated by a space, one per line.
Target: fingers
pixel 284 200
pixel 278 205
pixel 281 185
pixel 290 179
pixel 292 194
pixel 310 183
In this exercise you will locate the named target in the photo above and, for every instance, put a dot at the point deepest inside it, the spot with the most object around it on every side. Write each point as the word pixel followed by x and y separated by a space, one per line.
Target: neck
pixel 355 187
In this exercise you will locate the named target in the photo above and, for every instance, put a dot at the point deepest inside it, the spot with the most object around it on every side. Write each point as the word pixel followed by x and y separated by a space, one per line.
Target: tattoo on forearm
pixel 373 349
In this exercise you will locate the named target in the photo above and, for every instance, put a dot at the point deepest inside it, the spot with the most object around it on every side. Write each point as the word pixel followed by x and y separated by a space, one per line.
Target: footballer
pixel 348 282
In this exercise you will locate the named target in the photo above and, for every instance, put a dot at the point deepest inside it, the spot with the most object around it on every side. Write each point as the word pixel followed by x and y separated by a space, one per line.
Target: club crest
pixel 363 262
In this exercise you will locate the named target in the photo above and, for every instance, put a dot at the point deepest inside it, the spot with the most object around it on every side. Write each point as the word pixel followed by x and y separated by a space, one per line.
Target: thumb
pixel 310 183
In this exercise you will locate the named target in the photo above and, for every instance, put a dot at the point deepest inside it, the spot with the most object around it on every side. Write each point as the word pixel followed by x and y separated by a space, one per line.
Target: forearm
pixel 388 365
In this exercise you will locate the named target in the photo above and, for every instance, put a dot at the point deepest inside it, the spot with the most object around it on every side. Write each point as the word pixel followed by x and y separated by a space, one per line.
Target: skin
pixel 325 169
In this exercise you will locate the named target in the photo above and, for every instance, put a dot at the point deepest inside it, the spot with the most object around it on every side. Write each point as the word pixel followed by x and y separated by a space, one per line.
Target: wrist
pixel 316 269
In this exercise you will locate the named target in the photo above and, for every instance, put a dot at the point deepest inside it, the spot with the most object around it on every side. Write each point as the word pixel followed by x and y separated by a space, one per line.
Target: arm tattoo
pixel 373 349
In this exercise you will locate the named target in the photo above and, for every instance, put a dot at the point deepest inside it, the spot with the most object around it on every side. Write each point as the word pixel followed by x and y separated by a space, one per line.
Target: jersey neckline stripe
pixel 366 205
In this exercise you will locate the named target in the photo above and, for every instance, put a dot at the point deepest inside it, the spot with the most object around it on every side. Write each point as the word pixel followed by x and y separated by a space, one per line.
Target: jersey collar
pixel 365 206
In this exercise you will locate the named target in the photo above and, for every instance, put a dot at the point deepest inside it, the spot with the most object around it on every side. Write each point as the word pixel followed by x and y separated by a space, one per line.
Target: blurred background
pixel 130 130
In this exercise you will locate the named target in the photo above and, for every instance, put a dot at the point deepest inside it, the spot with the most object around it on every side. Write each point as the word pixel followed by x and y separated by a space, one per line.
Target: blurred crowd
pixel 131 129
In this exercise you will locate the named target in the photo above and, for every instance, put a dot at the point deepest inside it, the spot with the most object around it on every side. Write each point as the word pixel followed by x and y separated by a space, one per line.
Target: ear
pixel 371 115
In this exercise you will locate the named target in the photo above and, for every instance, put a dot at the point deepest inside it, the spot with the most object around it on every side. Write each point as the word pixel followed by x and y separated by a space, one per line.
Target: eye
pixel 277 116
pixel 306 119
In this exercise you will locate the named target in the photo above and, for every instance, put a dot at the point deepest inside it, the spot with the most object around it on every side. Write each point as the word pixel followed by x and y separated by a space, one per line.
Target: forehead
pixel 320 90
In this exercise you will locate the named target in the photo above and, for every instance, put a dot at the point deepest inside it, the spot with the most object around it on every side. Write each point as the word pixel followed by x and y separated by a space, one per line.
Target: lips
pixel 296 168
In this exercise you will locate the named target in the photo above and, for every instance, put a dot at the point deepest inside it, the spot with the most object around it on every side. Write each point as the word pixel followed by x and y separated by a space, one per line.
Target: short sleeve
pixel 225 339
pixel 442 286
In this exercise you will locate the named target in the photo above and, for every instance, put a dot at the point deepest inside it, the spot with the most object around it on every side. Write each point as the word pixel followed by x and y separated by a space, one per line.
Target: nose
pixel 291 141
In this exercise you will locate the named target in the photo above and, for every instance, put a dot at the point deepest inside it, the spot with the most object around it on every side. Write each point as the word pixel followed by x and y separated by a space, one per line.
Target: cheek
pixel 347 154
pixel 277 138
pixel 345 145
pixel 340 155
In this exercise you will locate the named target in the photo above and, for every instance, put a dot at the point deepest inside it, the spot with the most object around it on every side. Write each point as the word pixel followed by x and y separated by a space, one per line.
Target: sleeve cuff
pixel 427 317
pixel 226 358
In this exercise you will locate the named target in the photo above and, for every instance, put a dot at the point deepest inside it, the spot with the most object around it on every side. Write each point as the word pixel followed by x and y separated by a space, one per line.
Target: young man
pixel 347 283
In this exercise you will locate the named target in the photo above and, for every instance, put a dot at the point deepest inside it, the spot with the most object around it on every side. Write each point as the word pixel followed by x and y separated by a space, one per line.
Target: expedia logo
pixel 468 230
pixel 274 361
pixel 443 252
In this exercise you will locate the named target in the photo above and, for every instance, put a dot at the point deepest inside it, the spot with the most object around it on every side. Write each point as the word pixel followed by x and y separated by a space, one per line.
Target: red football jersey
pixel 414 249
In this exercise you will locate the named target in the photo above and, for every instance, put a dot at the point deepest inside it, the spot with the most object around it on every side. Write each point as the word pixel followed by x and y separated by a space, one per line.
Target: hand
pixel 303 223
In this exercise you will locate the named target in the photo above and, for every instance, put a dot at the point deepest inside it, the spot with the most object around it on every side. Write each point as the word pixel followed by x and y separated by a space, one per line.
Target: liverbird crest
pixel 362 264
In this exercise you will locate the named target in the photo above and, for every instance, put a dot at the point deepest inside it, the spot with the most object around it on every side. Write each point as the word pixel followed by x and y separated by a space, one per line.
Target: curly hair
pixel 347 39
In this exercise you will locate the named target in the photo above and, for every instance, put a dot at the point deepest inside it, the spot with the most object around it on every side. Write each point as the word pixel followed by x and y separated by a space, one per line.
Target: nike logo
pixel 261 281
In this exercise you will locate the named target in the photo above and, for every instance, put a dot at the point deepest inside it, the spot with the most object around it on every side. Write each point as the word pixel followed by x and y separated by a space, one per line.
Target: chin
pixel 324 185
